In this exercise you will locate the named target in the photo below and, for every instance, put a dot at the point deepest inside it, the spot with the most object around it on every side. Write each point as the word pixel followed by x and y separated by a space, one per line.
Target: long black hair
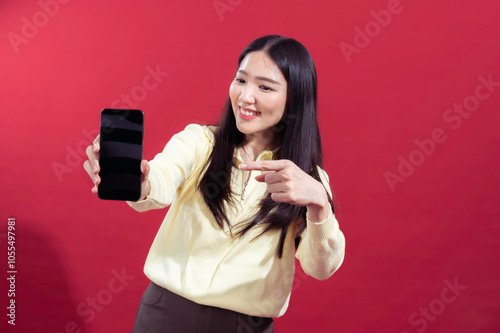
pixel 298 132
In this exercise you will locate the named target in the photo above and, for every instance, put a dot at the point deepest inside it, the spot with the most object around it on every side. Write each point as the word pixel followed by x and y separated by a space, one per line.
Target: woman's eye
pixel 239 80
pixel 265 88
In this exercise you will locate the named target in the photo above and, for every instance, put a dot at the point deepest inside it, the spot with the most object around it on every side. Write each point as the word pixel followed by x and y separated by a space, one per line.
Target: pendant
pixel 243 192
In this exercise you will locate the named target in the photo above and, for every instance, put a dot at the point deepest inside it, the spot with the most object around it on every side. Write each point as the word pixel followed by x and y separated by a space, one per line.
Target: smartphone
pixel 120 155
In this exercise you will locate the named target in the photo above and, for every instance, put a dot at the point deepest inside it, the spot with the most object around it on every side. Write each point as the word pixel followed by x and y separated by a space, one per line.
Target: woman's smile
pixel 248 114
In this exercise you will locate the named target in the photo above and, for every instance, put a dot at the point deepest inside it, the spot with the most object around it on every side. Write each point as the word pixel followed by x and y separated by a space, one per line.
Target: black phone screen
pixel 120 154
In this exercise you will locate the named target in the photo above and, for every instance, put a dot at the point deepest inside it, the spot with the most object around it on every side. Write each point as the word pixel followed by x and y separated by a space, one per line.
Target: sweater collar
pixel 265 155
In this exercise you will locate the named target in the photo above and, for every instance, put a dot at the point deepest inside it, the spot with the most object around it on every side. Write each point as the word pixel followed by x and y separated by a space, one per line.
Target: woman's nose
pixel 247 95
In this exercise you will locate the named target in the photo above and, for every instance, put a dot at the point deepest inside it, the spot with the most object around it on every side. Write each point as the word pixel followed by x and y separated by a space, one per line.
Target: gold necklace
pixel 245 178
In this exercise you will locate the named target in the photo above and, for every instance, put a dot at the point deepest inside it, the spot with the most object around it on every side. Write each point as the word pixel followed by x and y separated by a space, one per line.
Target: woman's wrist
pixel 319 211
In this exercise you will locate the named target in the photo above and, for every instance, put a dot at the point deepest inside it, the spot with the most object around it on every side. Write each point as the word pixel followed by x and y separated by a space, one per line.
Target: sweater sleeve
pixel 171 168
pixel 322 246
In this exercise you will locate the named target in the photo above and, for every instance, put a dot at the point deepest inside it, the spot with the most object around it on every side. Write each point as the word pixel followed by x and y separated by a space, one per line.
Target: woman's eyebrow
pixel 263 78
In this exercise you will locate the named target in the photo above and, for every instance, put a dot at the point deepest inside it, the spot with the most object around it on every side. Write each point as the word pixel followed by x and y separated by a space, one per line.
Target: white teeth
pixel 249 113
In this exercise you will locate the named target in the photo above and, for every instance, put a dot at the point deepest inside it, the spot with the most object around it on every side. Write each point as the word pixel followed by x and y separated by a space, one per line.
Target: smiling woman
pixel 224 257
pixel 258 92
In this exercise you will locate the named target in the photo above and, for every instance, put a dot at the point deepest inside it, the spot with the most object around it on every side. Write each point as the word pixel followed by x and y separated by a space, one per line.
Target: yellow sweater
pixel 193 257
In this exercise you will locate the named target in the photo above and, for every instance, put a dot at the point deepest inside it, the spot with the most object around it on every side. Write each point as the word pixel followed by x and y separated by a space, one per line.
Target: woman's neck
pixel 253 145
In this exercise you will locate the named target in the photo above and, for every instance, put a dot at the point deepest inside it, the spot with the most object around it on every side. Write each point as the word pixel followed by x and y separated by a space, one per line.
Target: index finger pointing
pixel 273 165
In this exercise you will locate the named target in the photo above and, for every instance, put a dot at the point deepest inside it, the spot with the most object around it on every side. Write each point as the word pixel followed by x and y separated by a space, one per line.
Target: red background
pixel 440 224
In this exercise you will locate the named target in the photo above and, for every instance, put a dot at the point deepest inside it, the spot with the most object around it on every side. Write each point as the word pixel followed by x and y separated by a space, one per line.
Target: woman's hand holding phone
pixel 92 167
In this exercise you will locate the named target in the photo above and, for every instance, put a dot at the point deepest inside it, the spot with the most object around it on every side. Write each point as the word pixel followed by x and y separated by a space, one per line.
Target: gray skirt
pixel 164 311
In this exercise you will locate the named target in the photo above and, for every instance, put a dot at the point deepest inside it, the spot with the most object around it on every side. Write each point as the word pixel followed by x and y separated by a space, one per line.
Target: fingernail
pixel 95 146
pixel 243 166
pixel 95 168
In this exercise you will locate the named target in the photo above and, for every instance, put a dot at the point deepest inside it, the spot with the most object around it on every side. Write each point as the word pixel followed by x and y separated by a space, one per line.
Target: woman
pixel 246 198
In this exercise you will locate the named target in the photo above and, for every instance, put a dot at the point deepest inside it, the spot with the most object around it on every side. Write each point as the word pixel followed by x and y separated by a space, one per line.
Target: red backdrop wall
pixel 409 102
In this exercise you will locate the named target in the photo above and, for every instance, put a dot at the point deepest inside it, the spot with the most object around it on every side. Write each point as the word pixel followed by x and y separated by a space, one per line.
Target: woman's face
pixel 258 96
